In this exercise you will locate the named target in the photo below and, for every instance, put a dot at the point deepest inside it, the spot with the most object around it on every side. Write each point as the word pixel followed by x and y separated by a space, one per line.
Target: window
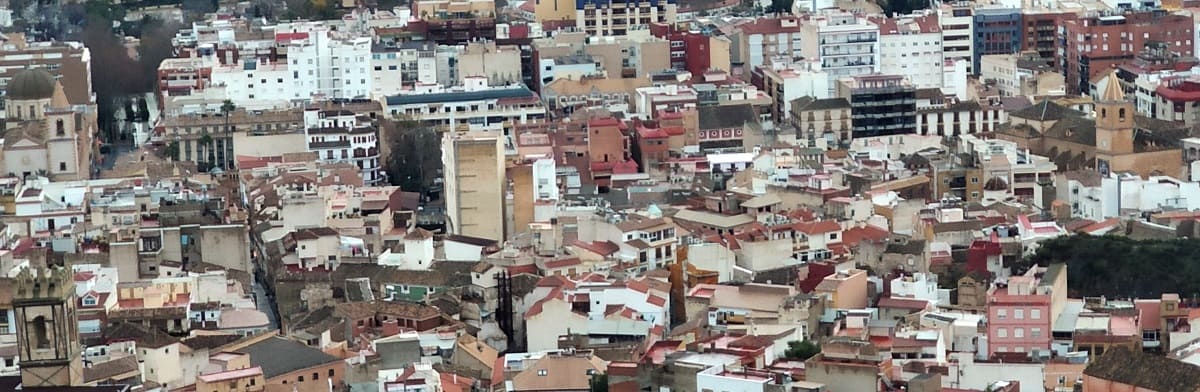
pixel 316 376
pixel 1018 332
pixel 62 166
pixel 1035 314
pixel 1035 332
pixel 300 379
pixel 1001 314
pixel 1001 332
pixel 1019 314
pixel 542 372
pixel 330 373
pixel 58 128
pixel 89 301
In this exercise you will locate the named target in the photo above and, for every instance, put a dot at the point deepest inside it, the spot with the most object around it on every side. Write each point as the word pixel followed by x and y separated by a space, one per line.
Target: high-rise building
pixel 1095 44
pixel 475 183
pixel 958 32
pixel 881 105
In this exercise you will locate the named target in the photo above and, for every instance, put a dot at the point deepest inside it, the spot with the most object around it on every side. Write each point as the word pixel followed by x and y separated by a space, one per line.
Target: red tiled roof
pixel 818 227
pixel 556 281
pixel 854 235
pixel 656 300
pixel 601 248
pixel 1151 313
pixel 560 263
pixel 84 276
pixel 536 308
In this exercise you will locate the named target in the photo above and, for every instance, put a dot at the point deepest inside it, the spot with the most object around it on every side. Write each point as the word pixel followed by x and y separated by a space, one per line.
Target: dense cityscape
pixel 599 195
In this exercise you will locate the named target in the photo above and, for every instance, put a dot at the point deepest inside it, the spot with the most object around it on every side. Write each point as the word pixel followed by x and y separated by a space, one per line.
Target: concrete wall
pixel 268 145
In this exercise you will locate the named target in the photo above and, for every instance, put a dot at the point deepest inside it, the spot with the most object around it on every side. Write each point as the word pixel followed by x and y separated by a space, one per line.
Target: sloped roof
pixel 726 116
pixel 1045 111
pixel 1133 367
pixel 278 356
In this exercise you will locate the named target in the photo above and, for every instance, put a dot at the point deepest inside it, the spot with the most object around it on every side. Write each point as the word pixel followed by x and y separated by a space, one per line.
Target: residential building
pixel 1096 43
pixel 880 105
pixel 1124 369
pixel 454 22
pixel 1014 75
pixel 213 140
pixel 846 44
pixel 500 64
pixel 997 30
pixel 623 56
pixel 475 183
pixel 302 369
pixel 911 45
pixel 1040 32
pixel 827 119
pixel 785 84
pixel 958 32
pixel 694 51
pixel 1022 309
pixel 600 310
pixel 400 67
pixel 343 136
pixel 475 106
pixel 851 364
pixel 617 17
pixel 766 41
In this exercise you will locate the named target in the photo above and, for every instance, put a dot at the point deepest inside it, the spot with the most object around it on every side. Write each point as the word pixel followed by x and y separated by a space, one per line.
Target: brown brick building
pixel 1095 44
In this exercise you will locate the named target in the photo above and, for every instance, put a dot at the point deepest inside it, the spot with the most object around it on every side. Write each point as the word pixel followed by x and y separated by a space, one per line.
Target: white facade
pixel 571 67
pixel 845 44
pixel 1101 202
pixel 914 53
pixel 337 136
pixel 918 286
pixel 333 67
pixel 958 33
pixel 476 106
pixel 394 69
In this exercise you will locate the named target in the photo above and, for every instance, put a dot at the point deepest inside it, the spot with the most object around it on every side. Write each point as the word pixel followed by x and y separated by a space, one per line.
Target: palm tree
pixel 227 107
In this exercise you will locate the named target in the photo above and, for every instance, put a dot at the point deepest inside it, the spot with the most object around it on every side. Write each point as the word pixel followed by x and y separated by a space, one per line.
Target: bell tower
pixel 47 330
pixel 1114 120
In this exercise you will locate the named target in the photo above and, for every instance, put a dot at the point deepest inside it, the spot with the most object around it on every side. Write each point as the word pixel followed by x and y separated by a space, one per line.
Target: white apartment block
pixel 911 45
pixel 397 68
pixel 330 66
pixel 958 32
pixel 341 136
pixel 846 44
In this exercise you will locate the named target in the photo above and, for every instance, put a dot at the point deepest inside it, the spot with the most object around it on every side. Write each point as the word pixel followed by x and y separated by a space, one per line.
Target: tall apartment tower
pixel 475 183
pixel 47 330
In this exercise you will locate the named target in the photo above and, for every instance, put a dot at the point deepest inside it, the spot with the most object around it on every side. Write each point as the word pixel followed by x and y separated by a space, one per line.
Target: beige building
pixel 560 12
pixel 631 56
pixel 203 138
pixel 475 183
pixel 437 8
pixel 846 289
pixel 618 17
pixel 45 134
pixel 501 65
pixel 822 118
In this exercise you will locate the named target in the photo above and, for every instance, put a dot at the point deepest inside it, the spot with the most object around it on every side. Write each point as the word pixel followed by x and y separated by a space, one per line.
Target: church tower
pixel 47 330
pixel 1114 121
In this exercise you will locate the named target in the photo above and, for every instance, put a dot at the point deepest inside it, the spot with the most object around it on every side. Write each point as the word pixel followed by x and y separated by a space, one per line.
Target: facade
pixel 846 44
pixel 475 106
pixel 396 68
pixel 996 31
pixel 881 105
pixel 766 41
pixel 694 51
pixel 47 338
pixel 1040 32
pixel 47 135
pixel 69 62
pixel 958 32
pixel 911 45
pixel 475 184
pixel 616 17
pixel 342 136
pixel 1022 310
pixel 208 139
pixel 822 118
pixel 1095 44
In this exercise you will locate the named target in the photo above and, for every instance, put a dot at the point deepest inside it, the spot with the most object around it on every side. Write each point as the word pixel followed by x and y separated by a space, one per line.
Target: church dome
pixel 31 84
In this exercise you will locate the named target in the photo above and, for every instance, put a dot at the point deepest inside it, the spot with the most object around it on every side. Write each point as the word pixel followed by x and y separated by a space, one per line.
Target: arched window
pixel 58 128
pixel 40 338
pixel 1121 114
pixel 1103 113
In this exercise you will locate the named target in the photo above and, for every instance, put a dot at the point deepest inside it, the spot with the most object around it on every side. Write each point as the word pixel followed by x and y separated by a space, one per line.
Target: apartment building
pixel 208 139
pixel 765 41
pixel 997 31
pixel 343 136
pixel 846 44
pixel 911 45
pixel 880 105
pixel 475 106
pixel 475 183
pixel 1040 32
pixel 694 51
pixel 575 54
pixel 1096 43
pixel 822 118
pixel 396 68
pixel 1022 310
pixel 454 22
pixel 958 32
pixel 617 17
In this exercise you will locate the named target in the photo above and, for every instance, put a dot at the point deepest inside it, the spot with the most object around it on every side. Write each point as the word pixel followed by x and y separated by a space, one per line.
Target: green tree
pixel 801 350
pixel 172 151
pixel 227 107
pixel 598 383
pixel 414 153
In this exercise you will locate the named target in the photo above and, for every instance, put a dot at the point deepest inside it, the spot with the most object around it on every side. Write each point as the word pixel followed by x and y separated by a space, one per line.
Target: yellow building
pixel 475 183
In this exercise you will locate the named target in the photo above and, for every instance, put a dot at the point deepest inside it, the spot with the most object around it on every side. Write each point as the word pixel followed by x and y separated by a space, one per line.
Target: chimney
pixel 391 327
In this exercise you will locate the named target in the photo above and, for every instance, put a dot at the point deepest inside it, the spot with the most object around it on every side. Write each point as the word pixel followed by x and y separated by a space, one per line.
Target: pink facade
pixel 1019 317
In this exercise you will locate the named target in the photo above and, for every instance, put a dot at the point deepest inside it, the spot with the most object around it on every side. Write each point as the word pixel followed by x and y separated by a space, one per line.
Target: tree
pixel 172 151
pixel 598 383
pixel 780 7
pixel 801 350
pixel 414 153
pixel 227 107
